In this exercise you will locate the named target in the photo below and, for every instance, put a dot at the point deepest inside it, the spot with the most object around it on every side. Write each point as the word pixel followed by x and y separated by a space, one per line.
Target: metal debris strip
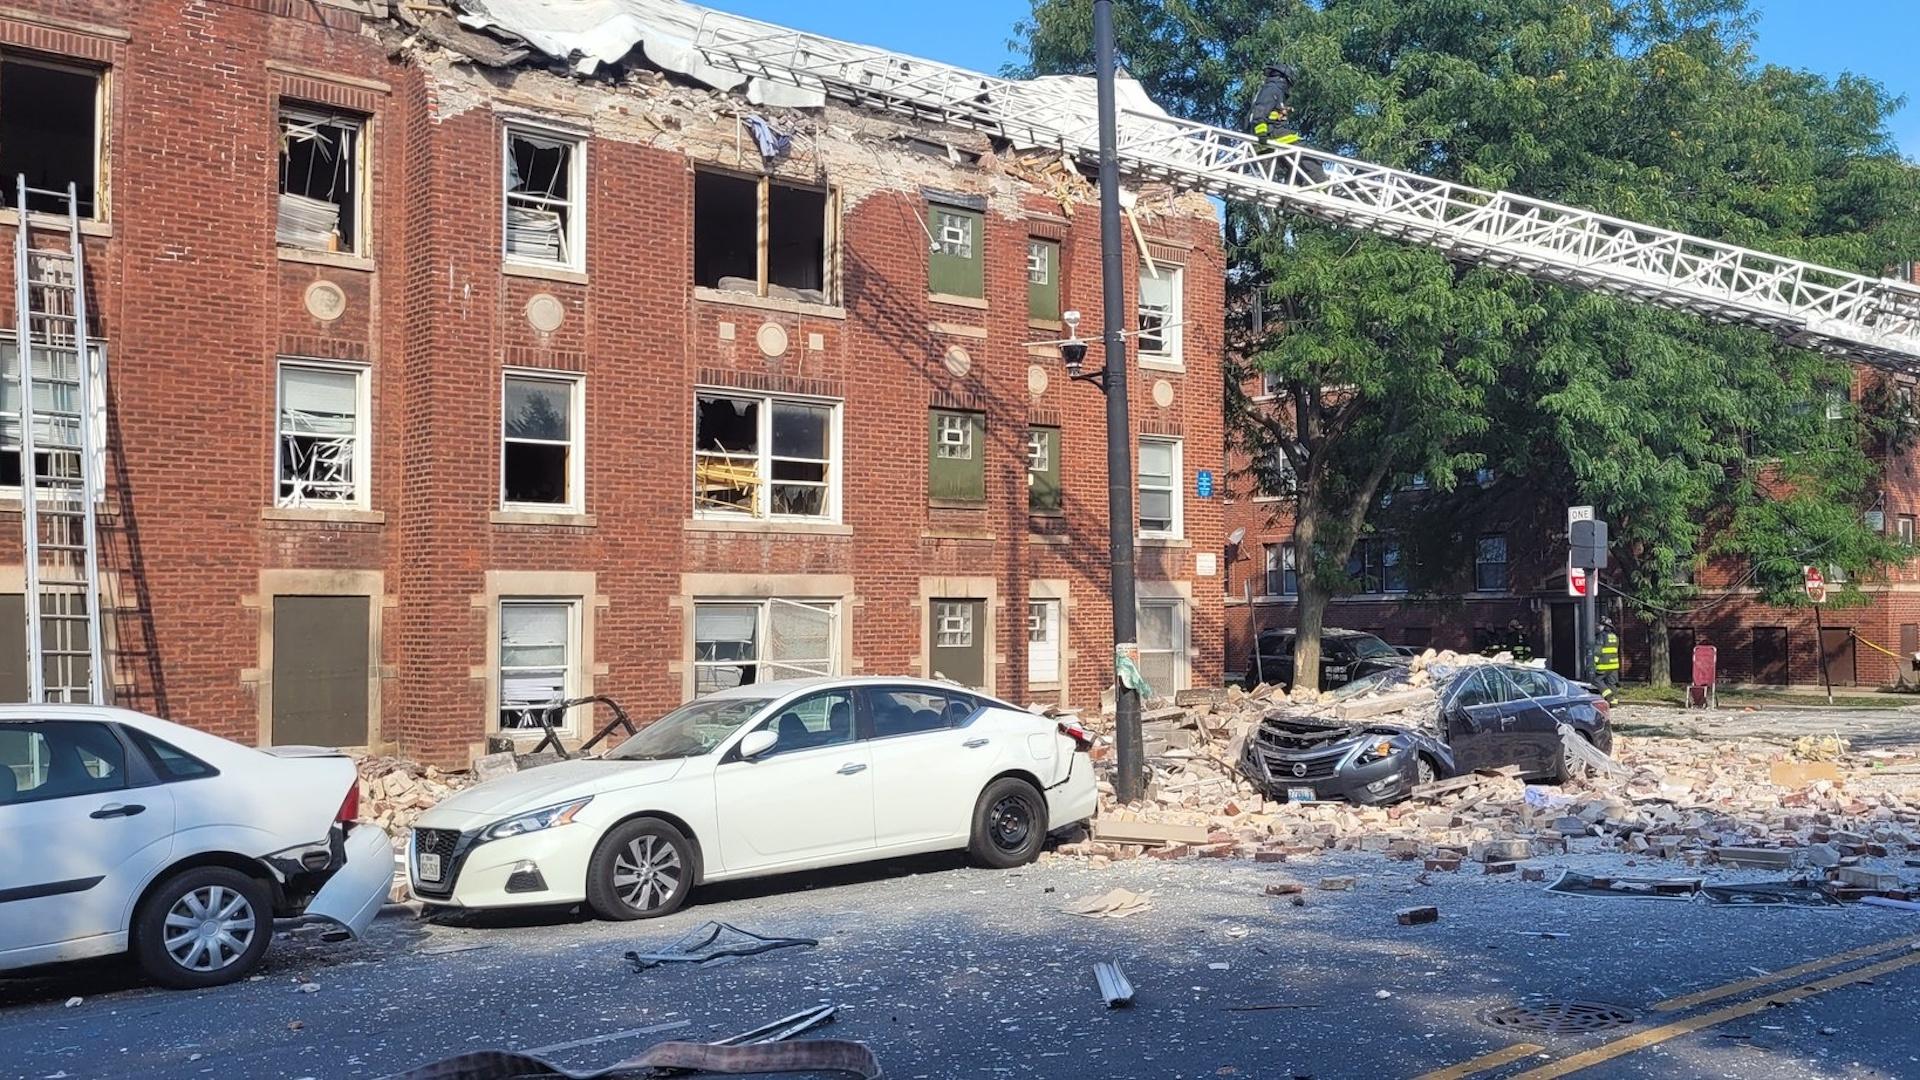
pixel 1572 884
pixel 784 1028
pixel 1114 986
pixel 1559 1017
pixel 714 941
pixel 826 1056
pixel 1770 894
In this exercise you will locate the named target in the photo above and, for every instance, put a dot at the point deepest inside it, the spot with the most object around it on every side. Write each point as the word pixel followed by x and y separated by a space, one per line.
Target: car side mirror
pixel 757 743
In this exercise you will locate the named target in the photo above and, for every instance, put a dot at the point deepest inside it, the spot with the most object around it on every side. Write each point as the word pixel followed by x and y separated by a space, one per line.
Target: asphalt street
pixel 953 972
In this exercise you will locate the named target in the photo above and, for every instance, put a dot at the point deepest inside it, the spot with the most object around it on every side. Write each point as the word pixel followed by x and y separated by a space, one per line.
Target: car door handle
pixel 850 768
pixel 975 744
pixel 117 810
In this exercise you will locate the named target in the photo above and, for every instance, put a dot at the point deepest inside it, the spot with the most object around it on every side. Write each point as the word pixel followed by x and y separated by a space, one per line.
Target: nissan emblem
pixel 1299 768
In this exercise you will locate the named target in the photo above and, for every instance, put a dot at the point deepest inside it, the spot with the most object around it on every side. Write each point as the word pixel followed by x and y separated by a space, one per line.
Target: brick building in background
pixel 1512 569
pixel 437 386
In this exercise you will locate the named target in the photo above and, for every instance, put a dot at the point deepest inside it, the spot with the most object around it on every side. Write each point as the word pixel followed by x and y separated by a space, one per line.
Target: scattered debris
pixel 1887 902
pixel 1573 884
pixel 1415 916
pixel 807 1055
pixel 1113 983
pixel 1286 888
pixel 1114 904
pixel 784 1028
pixel 1273 1005
pixel 72 1001
pixel 1794 775
pixel 1765 858
pixel 1769 894
pixel 1337 884
pixel 394 791
pixel 309 988
pixel 713 941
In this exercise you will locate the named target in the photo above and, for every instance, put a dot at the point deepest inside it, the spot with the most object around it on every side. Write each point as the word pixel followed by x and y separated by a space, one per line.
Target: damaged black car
pixel 1478 716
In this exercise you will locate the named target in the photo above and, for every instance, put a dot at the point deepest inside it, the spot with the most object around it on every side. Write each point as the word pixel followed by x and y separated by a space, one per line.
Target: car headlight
pixel 1379 750
pixel 534 820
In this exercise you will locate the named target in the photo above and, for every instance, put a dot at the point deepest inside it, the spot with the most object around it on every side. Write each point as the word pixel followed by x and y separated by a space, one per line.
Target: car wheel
pixel 1570 766
pixel 1423 771
pixel 1009 824
pixel 204 926
pixel 643 869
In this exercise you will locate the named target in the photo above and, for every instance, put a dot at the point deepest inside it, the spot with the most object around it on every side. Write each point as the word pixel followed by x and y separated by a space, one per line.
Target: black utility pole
pixel 1130 784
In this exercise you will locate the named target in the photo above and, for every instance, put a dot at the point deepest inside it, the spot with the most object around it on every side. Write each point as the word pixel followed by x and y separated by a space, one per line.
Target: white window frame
pixel 763 623
pixel 97 408
pixel 1178 482
pixel 573 239
pixel 100 115
pixel 571 682
pixel 362 432
pixel 1179 650
pixel 763 465
pixel 1051 613
pixel 953 619
pixel 362 169
pixel 1039 261
pixel 576 441
pixel 956 242
pixel 1904 523
pixel 960 449
pixel 1169 356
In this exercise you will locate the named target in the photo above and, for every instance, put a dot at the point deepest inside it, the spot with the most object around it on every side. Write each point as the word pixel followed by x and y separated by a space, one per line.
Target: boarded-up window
pixel 320 669
pixel 956 458
pixel 1043 280
pixel 13 647
pixel 955 266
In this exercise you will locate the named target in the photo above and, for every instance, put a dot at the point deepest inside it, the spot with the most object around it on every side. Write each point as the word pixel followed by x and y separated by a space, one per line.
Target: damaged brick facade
pixel 624 585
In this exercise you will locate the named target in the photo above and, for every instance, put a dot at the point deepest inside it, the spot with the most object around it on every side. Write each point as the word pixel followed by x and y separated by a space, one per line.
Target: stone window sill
pixel 950 299
pixel 542 517
pixel 335 515
pixel 88 226
pixel 544 273
pixel 768 303
pixel 767 528
pixel 340 260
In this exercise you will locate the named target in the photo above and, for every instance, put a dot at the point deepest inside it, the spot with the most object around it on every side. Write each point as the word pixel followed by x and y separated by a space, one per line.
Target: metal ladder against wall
pixel 1872 320
pixel 53 385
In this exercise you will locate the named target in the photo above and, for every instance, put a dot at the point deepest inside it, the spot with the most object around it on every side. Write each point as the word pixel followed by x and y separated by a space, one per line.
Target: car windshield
pixel 1368 645
pixel 1377 683
pixel 690 730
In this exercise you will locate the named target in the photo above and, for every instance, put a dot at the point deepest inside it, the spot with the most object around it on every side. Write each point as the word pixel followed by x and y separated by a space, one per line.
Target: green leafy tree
pixel 1390 360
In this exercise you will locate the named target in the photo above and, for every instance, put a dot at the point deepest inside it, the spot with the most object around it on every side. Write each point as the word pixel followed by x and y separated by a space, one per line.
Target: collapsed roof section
pixel 589 34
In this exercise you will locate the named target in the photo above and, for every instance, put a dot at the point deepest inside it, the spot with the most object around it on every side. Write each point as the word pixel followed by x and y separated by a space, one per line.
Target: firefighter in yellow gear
pixel 1606 660
pixel 1266 119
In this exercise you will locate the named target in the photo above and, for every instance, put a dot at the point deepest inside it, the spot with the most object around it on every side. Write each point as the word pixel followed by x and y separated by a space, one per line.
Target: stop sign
pixel 1816 584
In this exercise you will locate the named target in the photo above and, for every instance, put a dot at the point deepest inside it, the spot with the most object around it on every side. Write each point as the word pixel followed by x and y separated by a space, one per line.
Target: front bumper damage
pixel 1298 762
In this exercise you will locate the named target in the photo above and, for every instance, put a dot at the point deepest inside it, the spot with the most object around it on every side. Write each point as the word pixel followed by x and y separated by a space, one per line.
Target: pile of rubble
pixel 394 791
pixel 1747 804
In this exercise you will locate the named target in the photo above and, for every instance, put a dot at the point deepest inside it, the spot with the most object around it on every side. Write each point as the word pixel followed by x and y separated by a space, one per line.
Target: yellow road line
pixel 1503 1056
pixel 1690 1000
pixel 1654 1036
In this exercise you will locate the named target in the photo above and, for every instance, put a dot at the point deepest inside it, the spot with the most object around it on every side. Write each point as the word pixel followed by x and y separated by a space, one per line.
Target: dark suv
pixel 1345 655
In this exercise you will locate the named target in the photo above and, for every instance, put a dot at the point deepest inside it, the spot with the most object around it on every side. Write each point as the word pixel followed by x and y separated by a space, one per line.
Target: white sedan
pixel 760 779
pixel 123 833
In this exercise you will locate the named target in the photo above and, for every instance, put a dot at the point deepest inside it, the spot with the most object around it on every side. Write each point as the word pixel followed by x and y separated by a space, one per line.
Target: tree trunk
pixel 1312 608
pixel 1659 653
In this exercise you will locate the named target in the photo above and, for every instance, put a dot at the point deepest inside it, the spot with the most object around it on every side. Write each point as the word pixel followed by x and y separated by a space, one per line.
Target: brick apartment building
pixel 437 387
pixel 1513 570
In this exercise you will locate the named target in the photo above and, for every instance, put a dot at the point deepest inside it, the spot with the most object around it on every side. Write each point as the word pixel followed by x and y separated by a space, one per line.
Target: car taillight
pixel 1600 706
pixel 350 806
pixel 1082 741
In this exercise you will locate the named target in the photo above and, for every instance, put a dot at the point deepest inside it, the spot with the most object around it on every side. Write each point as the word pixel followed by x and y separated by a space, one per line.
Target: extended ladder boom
pixel 1873 320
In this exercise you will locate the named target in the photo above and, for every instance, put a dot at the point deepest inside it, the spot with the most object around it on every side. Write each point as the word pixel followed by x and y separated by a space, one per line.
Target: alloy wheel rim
pixel 1010 822
pixel 210 928
pixel 647 873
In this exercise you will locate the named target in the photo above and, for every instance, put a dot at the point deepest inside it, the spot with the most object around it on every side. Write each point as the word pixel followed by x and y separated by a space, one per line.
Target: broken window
pixel 1160 487
pixel 538 653
pixel 738 642
pixel 956 466
pixel 1160 314
pixel 322 442
pixel 955 266
pixel 756 456
pixel 50 133
pixel 540 436
pixel 1043 470
pixel 544 193
pixel 1490 564
pixel 319 181
pixel 56 427
pixel 731 215
pixel 1043 280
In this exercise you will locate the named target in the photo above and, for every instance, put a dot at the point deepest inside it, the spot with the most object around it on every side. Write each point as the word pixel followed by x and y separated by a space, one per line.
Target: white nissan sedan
pixel 760 779
pixel 123 833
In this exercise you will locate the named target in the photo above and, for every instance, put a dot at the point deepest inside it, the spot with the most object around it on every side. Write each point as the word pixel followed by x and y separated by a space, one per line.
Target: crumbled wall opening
pixel 49 132
pixel 761 236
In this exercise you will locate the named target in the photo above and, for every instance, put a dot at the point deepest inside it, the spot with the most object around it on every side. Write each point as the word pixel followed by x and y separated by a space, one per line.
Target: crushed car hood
pixel 544 786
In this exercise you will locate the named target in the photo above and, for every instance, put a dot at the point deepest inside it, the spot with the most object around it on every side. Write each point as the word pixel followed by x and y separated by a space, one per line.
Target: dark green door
pixel 958 632
pixel 320 670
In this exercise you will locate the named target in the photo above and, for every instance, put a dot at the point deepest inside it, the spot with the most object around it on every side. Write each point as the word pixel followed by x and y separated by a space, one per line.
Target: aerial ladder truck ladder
pixel 55 386
pixel 1871 320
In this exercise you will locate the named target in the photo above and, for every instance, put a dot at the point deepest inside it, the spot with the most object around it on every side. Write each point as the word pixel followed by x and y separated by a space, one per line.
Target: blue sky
pixel 1875 38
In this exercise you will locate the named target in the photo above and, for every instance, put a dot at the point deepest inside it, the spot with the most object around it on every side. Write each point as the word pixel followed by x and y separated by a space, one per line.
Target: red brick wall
pixel 196 307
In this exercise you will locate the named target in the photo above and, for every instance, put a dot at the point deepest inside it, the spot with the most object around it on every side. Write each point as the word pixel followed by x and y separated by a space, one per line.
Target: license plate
pixel 430 867
pixel 1300 794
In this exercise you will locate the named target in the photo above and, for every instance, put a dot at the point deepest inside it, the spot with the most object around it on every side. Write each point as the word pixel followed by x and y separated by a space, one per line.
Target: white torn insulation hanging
pixel 539 198
pixel 318 187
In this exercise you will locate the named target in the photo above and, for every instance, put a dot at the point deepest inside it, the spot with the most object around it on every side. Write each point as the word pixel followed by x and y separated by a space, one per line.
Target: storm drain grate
pixel 1560 1017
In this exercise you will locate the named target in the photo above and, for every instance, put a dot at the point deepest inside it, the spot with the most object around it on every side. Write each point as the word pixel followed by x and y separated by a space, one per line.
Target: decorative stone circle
pixel 772 339
pixel 957 362
pixel 545 312
pixel 1036 379
pixel 1163 393
pixel 326 301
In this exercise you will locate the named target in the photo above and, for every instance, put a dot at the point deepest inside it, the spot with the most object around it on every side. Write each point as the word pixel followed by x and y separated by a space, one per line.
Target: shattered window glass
pixel 319 181
pixel 321 440
pixel 1160 312
pixel 736 643
pixel 761 456
pixel 541 216
pixel 535 643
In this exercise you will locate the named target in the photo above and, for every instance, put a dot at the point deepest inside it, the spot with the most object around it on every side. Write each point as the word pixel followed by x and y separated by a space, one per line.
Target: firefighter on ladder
pixel 1266 118
pixel 1606 659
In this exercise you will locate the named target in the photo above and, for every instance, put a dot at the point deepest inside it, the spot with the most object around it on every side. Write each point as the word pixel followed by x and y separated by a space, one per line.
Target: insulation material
pixel 589 33
pixel 307 223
